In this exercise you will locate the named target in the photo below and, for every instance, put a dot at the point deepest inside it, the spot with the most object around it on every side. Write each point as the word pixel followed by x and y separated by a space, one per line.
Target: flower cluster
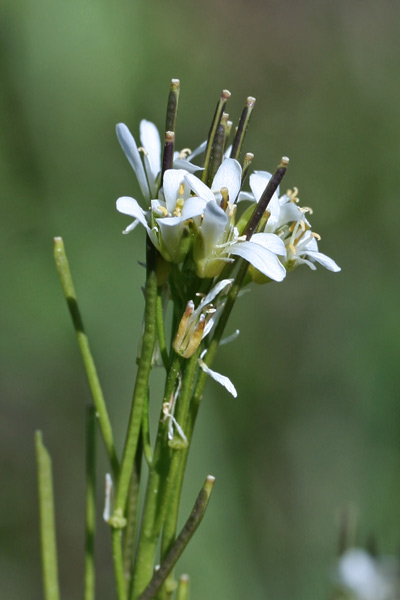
pixel 200 220
pixel 186 215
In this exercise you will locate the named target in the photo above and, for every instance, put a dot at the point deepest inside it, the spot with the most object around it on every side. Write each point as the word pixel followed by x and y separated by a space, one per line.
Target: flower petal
pixel 128 145
pixel 200 189
pixel 261 258
pixel 222 379
pixel 229 175
pixel 271 242
pixel 171 183
pixel 324 260
pixel 130 206
pixel 213 227
pixel 150 139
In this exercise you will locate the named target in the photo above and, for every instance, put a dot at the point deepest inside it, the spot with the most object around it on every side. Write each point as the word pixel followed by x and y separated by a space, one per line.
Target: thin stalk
pixel 172 105
pixel 168 153
pixel 161 331
pixel 120 581
pixel 90 368
pixel 140 391
pixel 266 197
pixel 153 512
pixel 47 521
pixel 218 147
pixel 183 588
pixel 90 512
pixel 147 449
pixel 173 491
pixel 242 127
pixel 213 130
pixel 181 542
pixel 131 516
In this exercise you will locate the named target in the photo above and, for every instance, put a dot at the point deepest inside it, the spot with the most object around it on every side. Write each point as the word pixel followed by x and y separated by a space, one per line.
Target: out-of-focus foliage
pixel 317 422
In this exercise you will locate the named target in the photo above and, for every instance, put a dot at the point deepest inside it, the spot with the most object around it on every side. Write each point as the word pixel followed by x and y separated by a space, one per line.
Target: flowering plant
pixel 206 239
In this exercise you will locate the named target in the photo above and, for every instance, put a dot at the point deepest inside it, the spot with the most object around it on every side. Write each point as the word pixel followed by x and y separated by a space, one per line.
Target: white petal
pixel 229 175
pixel 214 292
pixel 198 150
pixel 213 228
pixel 150 139
pixel 171 182
pixel 200 189
pixel 262 259
pixel 271 242
pixel 130 206
pixel 222 379
pixel 258 182
pixel 193 207
pixel 246 196
pixel 324 260
pixel 230 338
pixel 151 174
pixel 108 500
pixel 182 163
pixel 128 145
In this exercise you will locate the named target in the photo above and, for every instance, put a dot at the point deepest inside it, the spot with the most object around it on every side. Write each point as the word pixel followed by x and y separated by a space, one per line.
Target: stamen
pixel 316 235
pixel 225 197
pixel 184 153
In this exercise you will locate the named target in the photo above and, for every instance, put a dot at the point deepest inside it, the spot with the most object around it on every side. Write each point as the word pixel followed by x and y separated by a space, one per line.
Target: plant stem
pixel 131 516
pixel 90 525
pixel 47 521
pixel 154 508
pixel 140 393
pixel 211 135
pixel 191 525
pixel 183 588
pixel 90 368
pixel 118 563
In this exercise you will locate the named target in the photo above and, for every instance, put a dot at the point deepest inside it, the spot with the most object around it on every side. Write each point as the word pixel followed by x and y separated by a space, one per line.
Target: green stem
pixel 176 470
pixel 118 564
pixel 184 537
pixel 47 521
pixel 154 507
pixel 140 393
pixel 161 331
pixel 131 517
pixel 90 368
pixel 183 588
pixel 211 136
pixel 90 525
pixel 173 491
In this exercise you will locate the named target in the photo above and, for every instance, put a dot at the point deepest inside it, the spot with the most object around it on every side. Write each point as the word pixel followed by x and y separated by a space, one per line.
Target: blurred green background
pixel 316 425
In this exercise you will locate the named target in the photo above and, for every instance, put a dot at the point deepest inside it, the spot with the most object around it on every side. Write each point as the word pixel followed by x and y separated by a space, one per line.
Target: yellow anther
pixel 292 194
pixel 178 207
pixel 184 153
pixel 181 189
pixel 231 210
pixel 306 209
pixel 143 150
pixel 316 235
pixel 292 249
pixel 163 210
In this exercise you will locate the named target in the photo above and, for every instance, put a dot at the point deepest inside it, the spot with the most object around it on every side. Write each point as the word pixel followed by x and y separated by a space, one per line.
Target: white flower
pixel 218 240
pixel 364 576
pixel 196 323
pixel 302 248
pixel 148 170
pixel 167 222
pixel 288 220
